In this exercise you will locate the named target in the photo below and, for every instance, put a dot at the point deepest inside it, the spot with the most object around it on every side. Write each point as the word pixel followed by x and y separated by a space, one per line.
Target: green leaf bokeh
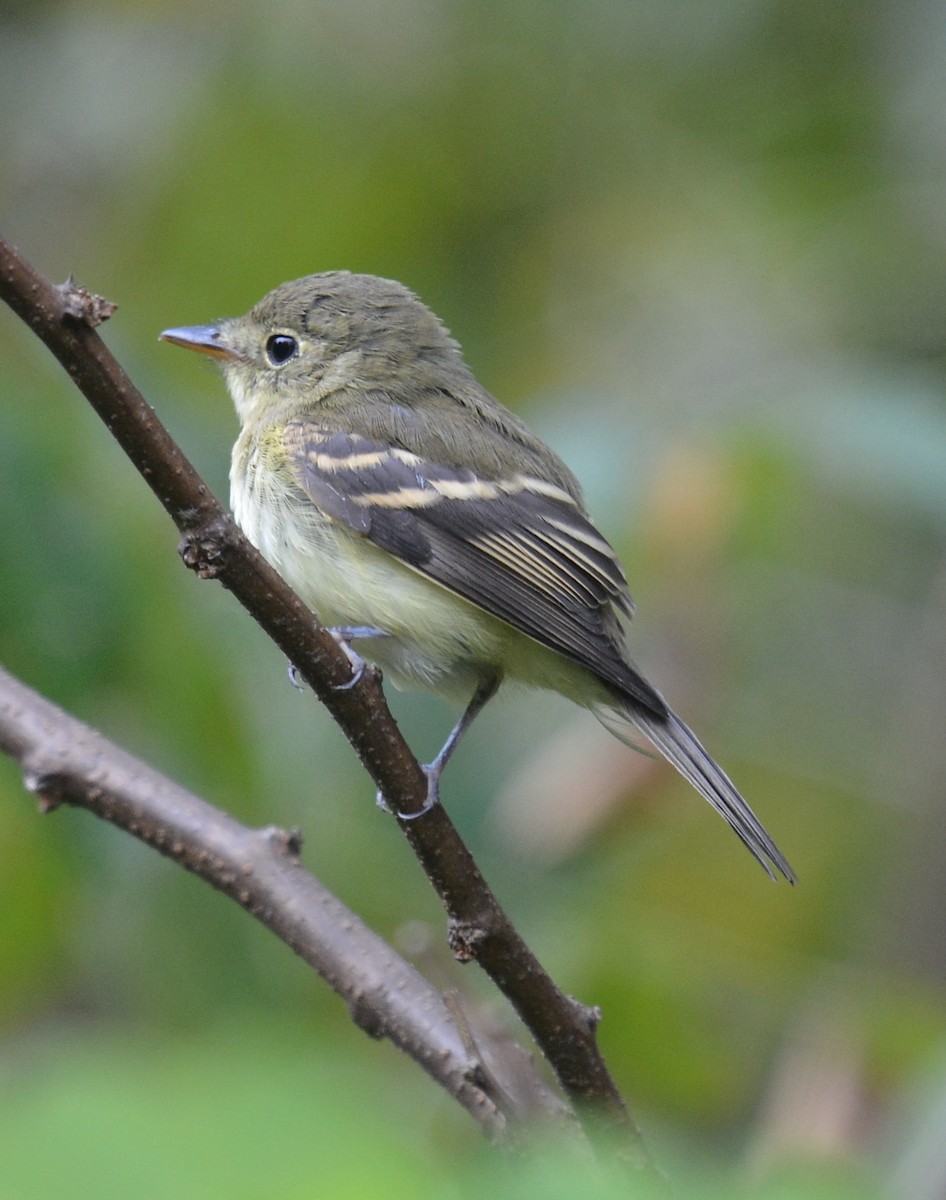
pixel 701 248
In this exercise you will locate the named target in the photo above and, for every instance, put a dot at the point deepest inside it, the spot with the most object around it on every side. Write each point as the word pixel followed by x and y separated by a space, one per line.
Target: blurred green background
pixel 701 247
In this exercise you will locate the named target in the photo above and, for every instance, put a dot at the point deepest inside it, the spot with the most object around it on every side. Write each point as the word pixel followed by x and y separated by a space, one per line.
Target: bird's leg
pixel 433 770
pixel 351 633
pixel 481 697
pixel 344 635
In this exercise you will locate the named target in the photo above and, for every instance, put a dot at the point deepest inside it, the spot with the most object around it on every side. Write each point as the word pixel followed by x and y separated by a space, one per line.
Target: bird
pixel 424 522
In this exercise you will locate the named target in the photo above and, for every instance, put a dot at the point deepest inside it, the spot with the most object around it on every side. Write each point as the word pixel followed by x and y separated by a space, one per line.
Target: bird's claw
pixel 432 772
pixel 343 638
pixel 358 667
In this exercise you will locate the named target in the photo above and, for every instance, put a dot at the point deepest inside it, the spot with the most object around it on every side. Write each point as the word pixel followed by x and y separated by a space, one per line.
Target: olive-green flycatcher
pixel 411 511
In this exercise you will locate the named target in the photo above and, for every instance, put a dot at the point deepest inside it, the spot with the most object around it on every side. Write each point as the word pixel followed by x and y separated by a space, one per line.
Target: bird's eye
pixel 280 347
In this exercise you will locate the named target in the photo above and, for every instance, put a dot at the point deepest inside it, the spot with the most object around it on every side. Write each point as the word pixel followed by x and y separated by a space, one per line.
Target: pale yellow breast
pixel 435 639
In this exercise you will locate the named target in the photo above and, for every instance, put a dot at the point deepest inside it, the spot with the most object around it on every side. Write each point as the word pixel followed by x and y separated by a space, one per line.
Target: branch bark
pixel 64 318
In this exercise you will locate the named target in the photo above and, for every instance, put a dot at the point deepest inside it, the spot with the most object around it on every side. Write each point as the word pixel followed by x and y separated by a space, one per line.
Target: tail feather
pixel 682 749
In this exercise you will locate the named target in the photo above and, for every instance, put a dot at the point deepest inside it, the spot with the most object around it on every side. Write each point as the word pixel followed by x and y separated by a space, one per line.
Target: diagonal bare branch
pixel 63 318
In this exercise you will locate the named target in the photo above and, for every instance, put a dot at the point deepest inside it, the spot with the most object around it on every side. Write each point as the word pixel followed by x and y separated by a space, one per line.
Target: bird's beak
pixel 206 339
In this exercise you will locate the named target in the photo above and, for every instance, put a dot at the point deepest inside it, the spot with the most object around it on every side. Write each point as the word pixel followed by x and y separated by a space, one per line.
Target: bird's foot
pixel 432 771
pixel 344 635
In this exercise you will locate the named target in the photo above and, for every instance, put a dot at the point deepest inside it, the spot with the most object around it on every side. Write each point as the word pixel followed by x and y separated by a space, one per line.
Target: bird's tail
pixel 682 749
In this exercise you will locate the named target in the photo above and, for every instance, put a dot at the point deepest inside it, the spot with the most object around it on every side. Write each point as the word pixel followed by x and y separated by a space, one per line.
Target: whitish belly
pixel 432 638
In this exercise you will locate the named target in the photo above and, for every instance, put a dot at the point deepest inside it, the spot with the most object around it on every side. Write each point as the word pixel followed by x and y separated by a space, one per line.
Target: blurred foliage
pixel 702 249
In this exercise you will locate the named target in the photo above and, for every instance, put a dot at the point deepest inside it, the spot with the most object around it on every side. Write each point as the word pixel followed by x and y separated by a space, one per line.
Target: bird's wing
pixel 519 547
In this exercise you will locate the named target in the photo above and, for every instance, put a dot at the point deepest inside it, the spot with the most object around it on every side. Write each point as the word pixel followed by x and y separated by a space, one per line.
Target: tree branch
pixel 63 317
pixel 66 762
